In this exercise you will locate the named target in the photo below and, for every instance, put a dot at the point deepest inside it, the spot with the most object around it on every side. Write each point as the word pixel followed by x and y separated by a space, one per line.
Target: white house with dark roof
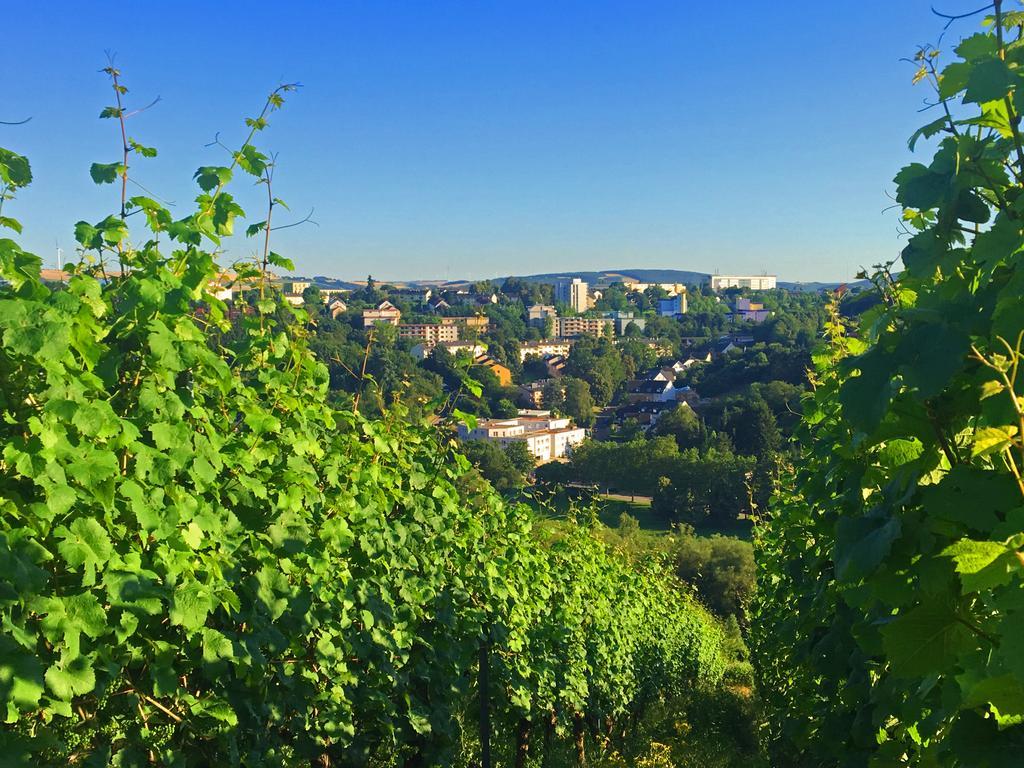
pixel 651 391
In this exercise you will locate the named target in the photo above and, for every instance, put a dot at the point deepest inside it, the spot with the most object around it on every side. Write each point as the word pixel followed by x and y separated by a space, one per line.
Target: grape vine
pixel 890 618
pixel 206 563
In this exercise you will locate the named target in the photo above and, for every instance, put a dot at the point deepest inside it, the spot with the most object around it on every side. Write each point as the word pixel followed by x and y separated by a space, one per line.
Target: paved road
pixel 626 497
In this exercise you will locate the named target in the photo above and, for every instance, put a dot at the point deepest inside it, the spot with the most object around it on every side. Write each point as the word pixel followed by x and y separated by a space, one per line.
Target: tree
pixel 505 409
pixel 709 488
pixel 578 403
pixel 599 362
pixel 784 400
pixel 682 424
pixel 520 457
pixel 553 395
pixel 752 427
pixel 493 464
pixel 722 570
pixel 312 298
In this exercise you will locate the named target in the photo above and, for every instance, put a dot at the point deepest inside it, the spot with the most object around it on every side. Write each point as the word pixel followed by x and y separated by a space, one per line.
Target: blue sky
pixel 460 138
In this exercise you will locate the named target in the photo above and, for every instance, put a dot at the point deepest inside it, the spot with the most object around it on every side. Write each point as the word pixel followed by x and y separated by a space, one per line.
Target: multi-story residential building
pixel 623 319
pixel 537 314
pixel 745 309
pixel 695 358
pixel 472 348
pixel 753 282
pixel 572 292
pixel 546 437
pixel 731 343
pixel 663 372
pixel 672 306
pixel 687 396
pixel 296 287
pixel 226 286
pixel 60 276
pixel 477 323
pixel 544 348
pixel 533 392
pixel 386 313
pixel 429 331
pixel 571 327
pixel 644 412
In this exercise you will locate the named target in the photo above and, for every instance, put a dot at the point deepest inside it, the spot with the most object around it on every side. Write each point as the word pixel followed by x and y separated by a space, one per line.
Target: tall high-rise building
pixel 572 292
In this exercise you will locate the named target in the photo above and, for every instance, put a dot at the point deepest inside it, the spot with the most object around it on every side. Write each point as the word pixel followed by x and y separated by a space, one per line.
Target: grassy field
pixel 609 510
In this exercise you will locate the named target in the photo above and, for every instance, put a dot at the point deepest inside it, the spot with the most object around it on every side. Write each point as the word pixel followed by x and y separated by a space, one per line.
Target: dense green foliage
pixel 504 468
pixel 889 624
pixel 691 471
pixel 721 569
pixel 207 562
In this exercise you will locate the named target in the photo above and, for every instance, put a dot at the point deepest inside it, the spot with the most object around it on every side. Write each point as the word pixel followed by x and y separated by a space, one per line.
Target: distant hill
pixel 326 282
pixel 808 286
pixel 616 275
pixel 333 282
pixel 861 284
pixel 599 277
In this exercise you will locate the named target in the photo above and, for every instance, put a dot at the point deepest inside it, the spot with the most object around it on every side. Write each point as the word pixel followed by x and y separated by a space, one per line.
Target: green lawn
pixel 608 510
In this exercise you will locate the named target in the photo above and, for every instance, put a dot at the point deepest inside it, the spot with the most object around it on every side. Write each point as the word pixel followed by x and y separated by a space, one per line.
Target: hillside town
pixel 538 368
pixel 533 371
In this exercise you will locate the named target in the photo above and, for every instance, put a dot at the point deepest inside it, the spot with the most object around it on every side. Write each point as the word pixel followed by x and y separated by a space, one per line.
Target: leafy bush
pixel 722 570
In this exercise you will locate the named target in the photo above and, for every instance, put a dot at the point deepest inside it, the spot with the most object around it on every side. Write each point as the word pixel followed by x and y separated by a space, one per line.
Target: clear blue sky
pixel 456 138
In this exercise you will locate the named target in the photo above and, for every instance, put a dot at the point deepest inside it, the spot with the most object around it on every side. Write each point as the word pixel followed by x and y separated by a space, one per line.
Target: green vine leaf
pixel 106 173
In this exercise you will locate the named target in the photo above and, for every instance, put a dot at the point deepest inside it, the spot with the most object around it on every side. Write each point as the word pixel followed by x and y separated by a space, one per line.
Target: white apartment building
pixel 572 292
pixel 544 348
pixel 546 437
pixel 473 348
pixel 386 313
pixel 753 282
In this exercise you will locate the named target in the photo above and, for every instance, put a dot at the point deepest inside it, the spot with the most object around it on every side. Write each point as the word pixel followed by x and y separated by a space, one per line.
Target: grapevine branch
pixel 1014 118
pixel 957 16
pixel 1009 381
pixel 273 102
